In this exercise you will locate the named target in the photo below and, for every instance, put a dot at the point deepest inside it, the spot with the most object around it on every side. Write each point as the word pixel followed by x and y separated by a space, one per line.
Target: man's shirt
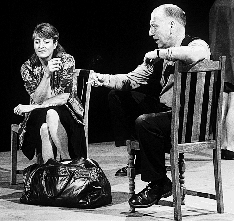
pixel 141 75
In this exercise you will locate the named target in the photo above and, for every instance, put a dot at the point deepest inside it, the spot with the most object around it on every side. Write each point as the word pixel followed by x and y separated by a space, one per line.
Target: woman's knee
pixel 44 130
pixel 51 116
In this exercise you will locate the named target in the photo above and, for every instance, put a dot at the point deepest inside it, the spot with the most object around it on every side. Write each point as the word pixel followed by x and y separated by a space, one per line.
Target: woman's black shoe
pixel 124 171
pixel 151 195
pixel 222 153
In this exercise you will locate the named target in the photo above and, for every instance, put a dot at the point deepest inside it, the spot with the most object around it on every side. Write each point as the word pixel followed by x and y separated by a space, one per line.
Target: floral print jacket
pixel 63 83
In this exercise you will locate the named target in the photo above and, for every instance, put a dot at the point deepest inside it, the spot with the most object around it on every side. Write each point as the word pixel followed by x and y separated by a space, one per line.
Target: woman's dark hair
pixel 48 31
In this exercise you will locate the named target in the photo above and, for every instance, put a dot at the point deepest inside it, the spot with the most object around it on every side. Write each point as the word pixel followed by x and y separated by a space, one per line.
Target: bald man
pixel 167 28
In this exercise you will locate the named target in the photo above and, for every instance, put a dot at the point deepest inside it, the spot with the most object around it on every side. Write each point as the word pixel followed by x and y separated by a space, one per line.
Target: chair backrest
pixel 82 89
pixel 197 103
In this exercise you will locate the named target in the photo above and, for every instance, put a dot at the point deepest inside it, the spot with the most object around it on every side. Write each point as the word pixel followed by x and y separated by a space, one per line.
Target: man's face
pixel 160 30
pixel 44 47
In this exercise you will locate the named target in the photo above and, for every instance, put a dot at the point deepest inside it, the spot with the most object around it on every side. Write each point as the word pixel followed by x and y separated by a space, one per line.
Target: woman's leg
pixel 230 122
pixel 58 133
pixel 47 144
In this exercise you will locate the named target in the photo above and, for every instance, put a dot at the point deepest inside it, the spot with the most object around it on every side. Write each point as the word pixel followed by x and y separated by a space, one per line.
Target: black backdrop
pixel 107 36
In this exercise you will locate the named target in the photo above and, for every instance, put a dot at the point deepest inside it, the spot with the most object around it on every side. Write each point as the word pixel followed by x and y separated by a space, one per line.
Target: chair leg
pixel 131 172
pixel 218 180
pixel 175 186
pixel 182 177
pixel 14 143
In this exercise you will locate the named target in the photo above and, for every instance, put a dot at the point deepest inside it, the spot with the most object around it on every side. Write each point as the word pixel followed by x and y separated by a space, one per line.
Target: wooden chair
pixel 196 124
pixel 83 90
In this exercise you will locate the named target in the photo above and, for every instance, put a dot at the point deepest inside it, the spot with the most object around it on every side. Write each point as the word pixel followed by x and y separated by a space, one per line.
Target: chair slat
pixel 184 127
pixel 211 83
pixel 198 106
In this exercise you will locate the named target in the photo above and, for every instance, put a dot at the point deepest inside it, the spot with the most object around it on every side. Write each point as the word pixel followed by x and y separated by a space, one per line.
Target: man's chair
pixel 82 88
pixel 196 125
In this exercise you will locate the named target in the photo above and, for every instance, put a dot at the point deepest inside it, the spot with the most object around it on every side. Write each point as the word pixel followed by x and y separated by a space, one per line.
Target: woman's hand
pixel 21 109
pixel 53 65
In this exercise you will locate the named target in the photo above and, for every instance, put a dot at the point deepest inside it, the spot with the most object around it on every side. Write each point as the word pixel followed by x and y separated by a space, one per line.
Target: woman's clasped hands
pixel 21 109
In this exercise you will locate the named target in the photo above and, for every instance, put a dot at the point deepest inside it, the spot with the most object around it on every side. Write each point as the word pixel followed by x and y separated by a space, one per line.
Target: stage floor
pixel 199 176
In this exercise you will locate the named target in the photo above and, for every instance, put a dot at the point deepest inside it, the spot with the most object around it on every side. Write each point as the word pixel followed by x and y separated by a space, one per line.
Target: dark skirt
pixel 75 132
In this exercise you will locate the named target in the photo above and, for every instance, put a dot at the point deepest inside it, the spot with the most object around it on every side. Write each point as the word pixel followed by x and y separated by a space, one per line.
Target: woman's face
pixel 44 47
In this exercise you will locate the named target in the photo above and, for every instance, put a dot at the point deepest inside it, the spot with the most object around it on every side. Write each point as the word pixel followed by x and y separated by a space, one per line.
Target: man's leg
pixel 118 116
pixel 125 107
pixel 153 131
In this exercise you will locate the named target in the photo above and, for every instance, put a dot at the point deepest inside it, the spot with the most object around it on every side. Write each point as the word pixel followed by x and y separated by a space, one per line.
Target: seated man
pixel 167 27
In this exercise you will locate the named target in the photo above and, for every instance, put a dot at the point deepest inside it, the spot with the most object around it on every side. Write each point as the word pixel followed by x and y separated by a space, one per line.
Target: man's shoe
pixel 151 195
pixel 167 188
pixel 124 171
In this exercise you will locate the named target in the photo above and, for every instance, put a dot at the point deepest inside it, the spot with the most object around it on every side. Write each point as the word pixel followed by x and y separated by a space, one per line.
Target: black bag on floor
pixel 77 183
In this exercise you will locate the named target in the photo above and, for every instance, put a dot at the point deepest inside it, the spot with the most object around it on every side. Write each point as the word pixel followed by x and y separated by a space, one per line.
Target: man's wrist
pixel 158 53
pixel 106 80
pixel 164 54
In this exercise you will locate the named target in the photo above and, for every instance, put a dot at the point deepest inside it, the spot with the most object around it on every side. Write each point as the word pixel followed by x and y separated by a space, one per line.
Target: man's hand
pixel 151 57
pixel 21 109
pixel 96 79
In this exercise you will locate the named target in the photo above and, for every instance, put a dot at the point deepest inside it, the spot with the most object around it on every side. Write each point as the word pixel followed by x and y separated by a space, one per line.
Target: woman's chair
pixel 196 124
pixel 82 88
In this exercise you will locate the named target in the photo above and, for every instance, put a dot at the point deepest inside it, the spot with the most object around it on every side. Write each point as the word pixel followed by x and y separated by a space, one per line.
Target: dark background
pixel 112 33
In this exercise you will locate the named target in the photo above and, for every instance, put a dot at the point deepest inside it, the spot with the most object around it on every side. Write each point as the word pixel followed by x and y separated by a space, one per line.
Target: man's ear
pixel 172 23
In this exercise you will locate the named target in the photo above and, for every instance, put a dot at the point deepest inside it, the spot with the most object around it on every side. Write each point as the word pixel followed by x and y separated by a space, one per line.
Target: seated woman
pixel 52 126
